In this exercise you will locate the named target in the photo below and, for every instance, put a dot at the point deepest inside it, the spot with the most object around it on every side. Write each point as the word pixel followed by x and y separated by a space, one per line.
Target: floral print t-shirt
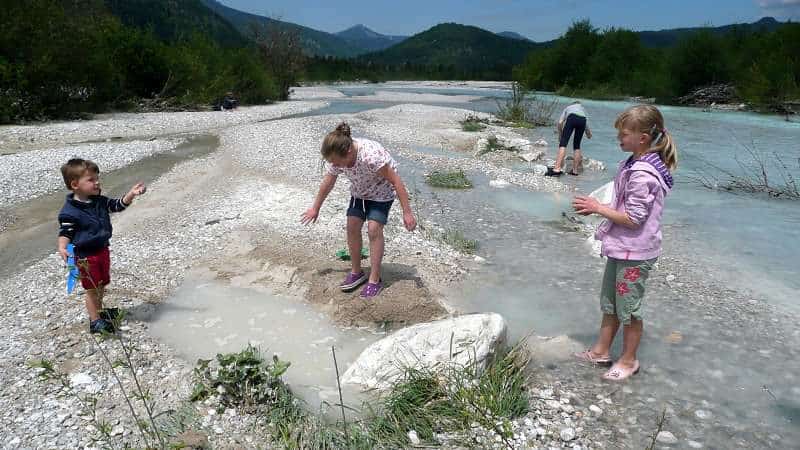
pixel 365 182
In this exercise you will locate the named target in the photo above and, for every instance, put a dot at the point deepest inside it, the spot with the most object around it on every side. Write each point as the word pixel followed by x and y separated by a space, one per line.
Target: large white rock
pixel 472 337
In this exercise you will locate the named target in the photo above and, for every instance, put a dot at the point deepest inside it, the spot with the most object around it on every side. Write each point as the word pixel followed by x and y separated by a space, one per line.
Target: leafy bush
pixel 241 379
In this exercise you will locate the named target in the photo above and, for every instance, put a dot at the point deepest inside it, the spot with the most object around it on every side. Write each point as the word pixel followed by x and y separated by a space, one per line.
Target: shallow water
pixel 205 316
pixel 755 254
pixel 33 233
pixel 540 278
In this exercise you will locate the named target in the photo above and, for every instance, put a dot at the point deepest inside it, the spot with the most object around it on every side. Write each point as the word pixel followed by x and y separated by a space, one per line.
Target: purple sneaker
pixel 372 290
pixel 352 281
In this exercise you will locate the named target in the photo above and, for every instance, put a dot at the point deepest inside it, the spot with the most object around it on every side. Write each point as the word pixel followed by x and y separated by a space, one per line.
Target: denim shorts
pixel 369 209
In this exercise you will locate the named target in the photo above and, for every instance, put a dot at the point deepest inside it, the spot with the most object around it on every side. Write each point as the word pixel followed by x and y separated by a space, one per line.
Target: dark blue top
pixel 88 225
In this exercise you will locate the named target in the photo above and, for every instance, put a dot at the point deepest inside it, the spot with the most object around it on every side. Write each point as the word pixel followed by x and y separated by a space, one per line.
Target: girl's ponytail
pixel 666 148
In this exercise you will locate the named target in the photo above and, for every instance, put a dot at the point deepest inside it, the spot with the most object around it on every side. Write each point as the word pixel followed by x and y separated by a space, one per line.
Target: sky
pixel 539 20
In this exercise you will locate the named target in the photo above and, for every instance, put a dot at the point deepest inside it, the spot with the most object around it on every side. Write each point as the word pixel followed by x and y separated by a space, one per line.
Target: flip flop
pixel 573 173
pixel 619 373
pixel 587 356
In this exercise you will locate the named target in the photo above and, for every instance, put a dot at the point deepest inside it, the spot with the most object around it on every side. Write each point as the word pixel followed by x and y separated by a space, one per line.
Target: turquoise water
pixel 754 254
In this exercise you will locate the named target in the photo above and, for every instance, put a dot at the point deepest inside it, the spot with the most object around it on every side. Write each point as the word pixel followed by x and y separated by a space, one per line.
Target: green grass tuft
pixel 455 179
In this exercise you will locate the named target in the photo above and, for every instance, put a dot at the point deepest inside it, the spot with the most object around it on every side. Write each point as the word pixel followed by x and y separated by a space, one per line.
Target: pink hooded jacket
pixel 639 190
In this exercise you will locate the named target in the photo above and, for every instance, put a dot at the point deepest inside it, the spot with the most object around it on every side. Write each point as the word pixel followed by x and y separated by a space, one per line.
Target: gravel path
pixel 129 125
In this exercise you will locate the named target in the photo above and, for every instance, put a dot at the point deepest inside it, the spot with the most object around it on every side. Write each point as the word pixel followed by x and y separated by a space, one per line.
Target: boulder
pixel 471 338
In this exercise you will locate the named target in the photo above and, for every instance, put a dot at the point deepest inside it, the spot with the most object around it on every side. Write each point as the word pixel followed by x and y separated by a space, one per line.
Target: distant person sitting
pixel 229 102
pixel 572 119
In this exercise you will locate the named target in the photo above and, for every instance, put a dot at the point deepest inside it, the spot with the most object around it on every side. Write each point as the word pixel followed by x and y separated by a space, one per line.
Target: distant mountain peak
pixel 360 30
pixel 362 36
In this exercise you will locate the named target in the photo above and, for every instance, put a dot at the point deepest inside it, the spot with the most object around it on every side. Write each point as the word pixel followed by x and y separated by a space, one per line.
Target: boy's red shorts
pixel 95 269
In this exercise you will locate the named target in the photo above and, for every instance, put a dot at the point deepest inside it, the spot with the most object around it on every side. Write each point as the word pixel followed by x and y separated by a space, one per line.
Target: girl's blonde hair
pixel 337 142
pixel 648 119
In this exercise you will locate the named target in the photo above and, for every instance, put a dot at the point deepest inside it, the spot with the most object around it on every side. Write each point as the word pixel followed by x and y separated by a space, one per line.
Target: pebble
pixel 666 437
pixel 567 434
pixel 702 414
pixel 595 410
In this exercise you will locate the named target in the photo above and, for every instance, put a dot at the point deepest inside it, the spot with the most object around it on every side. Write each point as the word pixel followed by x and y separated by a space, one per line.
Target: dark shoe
pixel 372 290
pixel 109 314
pixel 352 281
pixel 573 173
pixel 552 173
pixel 100 326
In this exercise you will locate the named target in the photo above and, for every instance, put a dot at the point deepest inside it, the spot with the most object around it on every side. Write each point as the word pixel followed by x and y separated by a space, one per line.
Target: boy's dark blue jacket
pixel 88 225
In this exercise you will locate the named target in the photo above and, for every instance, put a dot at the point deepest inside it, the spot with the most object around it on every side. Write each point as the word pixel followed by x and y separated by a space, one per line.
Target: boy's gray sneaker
pixel 352 281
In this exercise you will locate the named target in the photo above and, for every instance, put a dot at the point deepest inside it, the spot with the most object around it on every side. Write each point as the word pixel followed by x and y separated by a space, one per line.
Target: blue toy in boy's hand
pixel 73 274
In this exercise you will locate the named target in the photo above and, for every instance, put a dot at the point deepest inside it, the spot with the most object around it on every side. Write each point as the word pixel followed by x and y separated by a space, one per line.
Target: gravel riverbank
pixel 235 209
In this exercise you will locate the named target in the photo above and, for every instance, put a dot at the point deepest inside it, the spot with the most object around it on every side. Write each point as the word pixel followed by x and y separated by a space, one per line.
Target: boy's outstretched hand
pixel 309 217
pixel 585 205
pixel 138 189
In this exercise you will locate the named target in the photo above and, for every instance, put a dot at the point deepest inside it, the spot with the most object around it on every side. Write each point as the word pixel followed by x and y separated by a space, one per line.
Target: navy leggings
pixel 576 123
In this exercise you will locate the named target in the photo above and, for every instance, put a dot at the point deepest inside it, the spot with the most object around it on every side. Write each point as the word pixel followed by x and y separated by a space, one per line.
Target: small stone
pixel 666 437
pixel 412 436
pixel 553 404
pixel 702 414
pixel 694 444
pixel 528 422
pixel 117 430
pixel 595 410
pixel 567 434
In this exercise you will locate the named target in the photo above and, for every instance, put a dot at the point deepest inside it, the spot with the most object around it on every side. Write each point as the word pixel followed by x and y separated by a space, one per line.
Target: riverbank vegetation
pixel 65 59
pixel 763 66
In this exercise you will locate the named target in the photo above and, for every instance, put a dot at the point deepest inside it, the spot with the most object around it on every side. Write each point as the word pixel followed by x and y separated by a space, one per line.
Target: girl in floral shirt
pixel 374 184
pixel 631 233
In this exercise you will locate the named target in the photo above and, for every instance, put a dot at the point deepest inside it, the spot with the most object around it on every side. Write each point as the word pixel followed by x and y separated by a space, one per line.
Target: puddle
pixel 204 317
pixel 33 232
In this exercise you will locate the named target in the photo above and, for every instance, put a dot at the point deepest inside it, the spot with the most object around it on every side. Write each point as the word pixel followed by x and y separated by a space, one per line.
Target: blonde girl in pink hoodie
pixel 631 233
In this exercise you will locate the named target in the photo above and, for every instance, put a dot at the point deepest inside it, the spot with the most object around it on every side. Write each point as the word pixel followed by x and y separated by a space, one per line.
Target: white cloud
pixel 780 8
